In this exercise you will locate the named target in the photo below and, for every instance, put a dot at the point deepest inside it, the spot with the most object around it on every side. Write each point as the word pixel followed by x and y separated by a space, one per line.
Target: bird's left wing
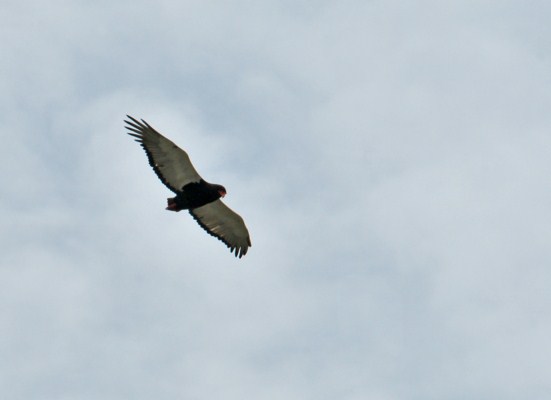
pixel 171 164
pixel 221 222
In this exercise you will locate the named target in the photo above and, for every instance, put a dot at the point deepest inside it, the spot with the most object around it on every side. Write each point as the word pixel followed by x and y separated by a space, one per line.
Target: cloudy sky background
pixel 391 160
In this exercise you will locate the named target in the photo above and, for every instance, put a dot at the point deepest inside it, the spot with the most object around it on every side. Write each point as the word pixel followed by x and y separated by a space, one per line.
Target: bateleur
pixel 174 168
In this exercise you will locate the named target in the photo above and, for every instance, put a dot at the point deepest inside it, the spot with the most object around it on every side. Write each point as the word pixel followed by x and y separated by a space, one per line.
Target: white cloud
pixel 390 161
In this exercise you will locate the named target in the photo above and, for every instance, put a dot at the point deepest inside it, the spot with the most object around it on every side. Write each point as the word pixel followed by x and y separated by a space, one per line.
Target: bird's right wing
pixel 171 164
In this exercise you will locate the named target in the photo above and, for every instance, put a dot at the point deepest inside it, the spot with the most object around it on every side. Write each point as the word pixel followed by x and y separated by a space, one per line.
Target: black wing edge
pixel 139 128
pixel 238 251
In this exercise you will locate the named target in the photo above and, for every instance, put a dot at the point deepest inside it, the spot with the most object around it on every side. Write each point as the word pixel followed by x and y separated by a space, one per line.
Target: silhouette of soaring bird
pixel 174 168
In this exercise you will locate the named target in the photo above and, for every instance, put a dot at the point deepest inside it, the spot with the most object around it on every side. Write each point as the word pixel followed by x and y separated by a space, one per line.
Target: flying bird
pixel 174 168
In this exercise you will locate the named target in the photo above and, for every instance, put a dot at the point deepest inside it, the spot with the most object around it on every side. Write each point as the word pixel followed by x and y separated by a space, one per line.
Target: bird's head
pixel 221 190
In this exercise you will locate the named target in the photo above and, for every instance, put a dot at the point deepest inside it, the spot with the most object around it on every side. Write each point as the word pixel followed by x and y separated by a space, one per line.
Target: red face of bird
pixel 222 191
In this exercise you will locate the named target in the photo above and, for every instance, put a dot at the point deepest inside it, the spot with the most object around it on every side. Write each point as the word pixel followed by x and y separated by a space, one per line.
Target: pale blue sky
pixel 391 161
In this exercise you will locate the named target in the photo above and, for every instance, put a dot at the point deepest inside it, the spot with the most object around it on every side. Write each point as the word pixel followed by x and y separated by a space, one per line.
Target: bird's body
pixel 195 194
pixel 174 168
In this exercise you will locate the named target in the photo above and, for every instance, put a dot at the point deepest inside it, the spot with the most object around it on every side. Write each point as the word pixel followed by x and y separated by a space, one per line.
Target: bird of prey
pixel 174 168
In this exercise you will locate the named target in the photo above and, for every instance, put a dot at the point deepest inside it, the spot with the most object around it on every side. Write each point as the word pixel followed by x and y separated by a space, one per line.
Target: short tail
pixel 172 205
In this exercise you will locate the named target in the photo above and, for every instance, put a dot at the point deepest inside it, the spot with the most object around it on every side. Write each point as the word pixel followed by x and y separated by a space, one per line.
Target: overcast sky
pixel 391 160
